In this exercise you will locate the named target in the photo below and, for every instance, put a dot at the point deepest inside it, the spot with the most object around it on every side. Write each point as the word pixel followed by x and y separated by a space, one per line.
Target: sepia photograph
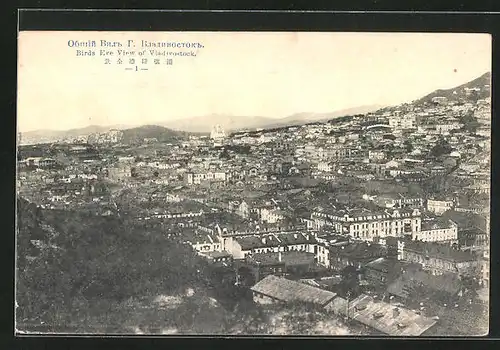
pixel 253 183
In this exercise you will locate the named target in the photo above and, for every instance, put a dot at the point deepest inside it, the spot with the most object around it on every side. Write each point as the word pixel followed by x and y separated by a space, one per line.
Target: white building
pixel 271 216
pixel 438 207
pixel 366 225
pixel 433 231
pixel 403 122
pixel 376 155
pixel 325 167
pixel 217 133
pixel 198 178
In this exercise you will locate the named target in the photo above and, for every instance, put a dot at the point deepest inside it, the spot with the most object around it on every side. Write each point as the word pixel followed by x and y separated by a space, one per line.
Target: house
pixel 198 178
pixel 440 258
pixel 326 166
pixel 271 215
pixel 356 254
pixel 242 246
pixel 473 238
pixel 399 122
pixel 437 170
pixel 410 201
pixel 203 243
pixel 414 281
pixel 281 263
pixel 243 210
pixel 219 258
pixel 40 162
pixel 439 206
pixel 381 271
pixel 376 155
pixel 274 289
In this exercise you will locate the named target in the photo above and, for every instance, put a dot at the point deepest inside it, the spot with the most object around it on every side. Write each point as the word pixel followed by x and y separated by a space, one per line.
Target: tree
pixel 133 172
pixel 470 122
pixel 441 148
pixel 408 146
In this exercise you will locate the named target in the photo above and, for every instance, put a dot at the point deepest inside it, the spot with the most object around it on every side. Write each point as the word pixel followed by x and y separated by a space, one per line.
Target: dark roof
pixel 440 251
pixel 296 238
pixel 359 250
pixel 289 291
pixel 252 242
pixel 448 282
pixel 435 224
pixel 217 254
pixel 287 258
pixel 466 220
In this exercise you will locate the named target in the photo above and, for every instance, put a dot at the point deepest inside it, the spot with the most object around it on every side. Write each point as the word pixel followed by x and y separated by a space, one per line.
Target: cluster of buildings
pixel 403 186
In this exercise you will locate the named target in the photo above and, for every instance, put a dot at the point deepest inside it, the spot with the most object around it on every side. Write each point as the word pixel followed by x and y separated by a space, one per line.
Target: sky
pixel 243 74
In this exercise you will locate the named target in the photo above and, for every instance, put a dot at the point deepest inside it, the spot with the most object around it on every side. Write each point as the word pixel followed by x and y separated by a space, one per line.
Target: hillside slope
pixel 65 258
pixel 461 93
pixel 137 135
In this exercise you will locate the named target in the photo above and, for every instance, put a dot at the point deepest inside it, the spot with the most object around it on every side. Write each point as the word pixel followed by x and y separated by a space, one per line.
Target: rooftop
pixel 440 251
pixel 435 224
pixel 448 282
pixel 289 291
pixel 359 250
pixel 288 258
pixel 384 317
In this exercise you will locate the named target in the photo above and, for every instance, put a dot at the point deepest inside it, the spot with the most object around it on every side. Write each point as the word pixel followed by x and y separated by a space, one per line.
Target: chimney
pixel 264 240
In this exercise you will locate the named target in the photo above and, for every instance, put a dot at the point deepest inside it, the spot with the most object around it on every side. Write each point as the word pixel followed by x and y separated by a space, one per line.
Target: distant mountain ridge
pixel 237 123
pixel 196 125
pixel 206 123
pixel 478 88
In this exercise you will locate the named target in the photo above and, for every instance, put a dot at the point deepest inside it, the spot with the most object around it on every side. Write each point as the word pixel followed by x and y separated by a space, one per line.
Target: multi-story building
pixel 243 246
pixel 409 201
pixel 198 178
pixel 439 206
pixel 437 231
pixel 403 122
pixel 446 128
pixel 440 258
pixel 271 215
pixel 367 225
pixel 40 162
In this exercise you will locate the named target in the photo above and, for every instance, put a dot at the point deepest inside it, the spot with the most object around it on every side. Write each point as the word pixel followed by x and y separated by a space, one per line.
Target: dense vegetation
pixel 161 134
pixel 84 259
